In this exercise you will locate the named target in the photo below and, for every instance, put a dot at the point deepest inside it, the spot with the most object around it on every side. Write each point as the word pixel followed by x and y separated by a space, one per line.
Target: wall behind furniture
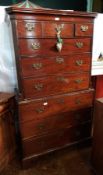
pixel 97 6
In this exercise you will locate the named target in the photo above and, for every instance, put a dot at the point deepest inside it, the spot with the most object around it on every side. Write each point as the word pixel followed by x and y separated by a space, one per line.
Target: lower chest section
pixel 54 122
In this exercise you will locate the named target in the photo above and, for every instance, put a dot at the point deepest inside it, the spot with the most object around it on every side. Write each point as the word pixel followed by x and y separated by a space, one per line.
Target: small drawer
pixel 29 47
pixel 53 85
pixel 50 29
pixel 39 127
pixel 39 109
pixel 29 28
pixel 40 66
pixel 85 29
pixel 56 140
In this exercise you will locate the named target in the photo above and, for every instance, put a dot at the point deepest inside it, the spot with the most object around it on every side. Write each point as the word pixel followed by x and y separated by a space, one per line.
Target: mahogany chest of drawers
pixel 53 51
pixel 7 129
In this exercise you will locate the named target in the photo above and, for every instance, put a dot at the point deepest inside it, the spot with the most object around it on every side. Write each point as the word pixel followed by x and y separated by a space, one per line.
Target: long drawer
pixel 55 84
pixel 46 143
pixel 48 46
pixel 39 127
pixel 38 66
pixel 42 108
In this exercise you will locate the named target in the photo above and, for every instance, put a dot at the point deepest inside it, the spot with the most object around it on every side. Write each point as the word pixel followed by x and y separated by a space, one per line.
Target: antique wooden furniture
pixel 97 152
pixel 53 56
pixel 7 131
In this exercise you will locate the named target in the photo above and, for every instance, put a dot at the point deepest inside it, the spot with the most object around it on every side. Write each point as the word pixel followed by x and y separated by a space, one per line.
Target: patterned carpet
pixel 63 162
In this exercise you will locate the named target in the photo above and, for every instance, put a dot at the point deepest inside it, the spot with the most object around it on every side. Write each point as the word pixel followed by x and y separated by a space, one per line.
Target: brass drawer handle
pixel 29 27
pixel 84 28
pixel 79 44
pixel 38 86
pixel 40 110
pixel 61 79
pixel 41 126
pixel 59 27
pixel 37 66
pixel 79 62
pixel 78 101
pixel 78 81
pixel 35 46
pixel 59 60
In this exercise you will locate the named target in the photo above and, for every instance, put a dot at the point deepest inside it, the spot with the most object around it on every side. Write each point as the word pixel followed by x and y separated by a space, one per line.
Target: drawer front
pixel 56 140
pixel 39 127
pixel 29 29
pixel 48 46
pixel 50 29
pixel 52 85
pixel 38 109
pixel 84 29
pixel 52 65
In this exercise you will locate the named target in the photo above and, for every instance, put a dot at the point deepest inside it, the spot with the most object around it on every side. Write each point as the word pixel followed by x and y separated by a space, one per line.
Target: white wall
pixel 8 79
pixel 97 66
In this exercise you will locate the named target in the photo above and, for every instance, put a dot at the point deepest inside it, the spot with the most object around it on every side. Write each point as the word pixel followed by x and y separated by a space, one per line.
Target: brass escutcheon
pixel 61 79
pixel 79 62
pixel 37 66
pixel 29 26
pixel 40 110
pixel 59 60
pixel 78 81
pixel 79 44
pixel 41 126
pixel 84 28
pixel 78 101
pixel 38 86
pixel 35 46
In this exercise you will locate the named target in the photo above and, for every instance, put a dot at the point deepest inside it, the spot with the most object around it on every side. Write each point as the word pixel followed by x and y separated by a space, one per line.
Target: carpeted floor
pixel 62 162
